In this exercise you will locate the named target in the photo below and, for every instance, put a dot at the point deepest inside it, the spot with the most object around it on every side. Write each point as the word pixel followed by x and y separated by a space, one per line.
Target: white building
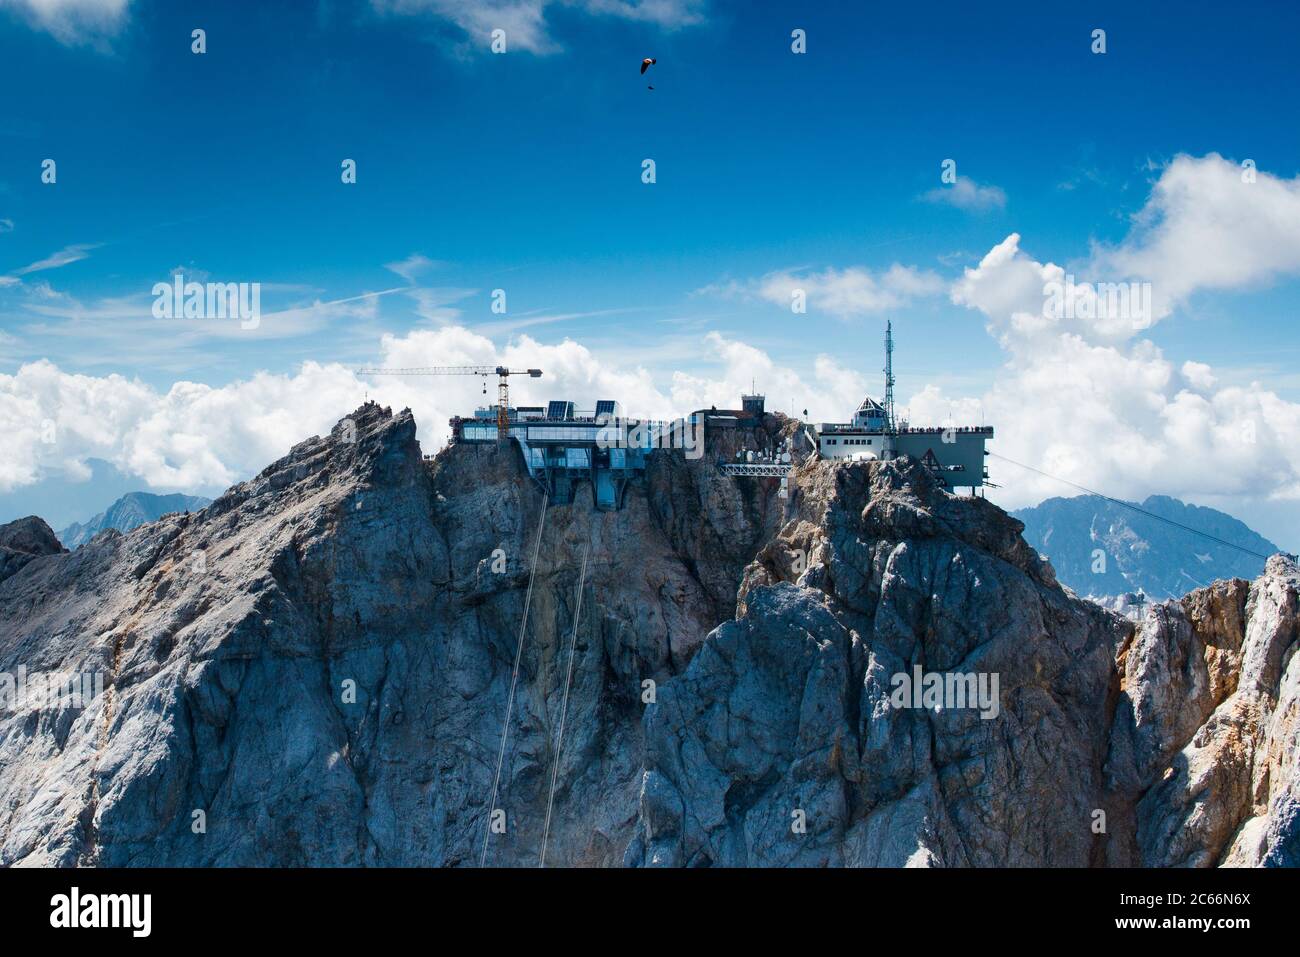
pixel 866 437
pixel 953 454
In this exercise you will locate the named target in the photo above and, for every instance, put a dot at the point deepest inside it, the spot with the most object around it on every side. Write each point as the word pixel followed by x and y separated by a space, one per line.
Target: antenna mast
pixel 889 376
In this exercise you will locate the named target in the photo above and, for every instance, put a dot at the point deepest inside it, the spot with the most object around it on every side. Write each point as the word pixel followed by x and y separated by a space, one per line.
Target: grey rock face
pixel 1227 792
pixel 786 716
pixel 24 540
pixel 1170 743
pixel 316 668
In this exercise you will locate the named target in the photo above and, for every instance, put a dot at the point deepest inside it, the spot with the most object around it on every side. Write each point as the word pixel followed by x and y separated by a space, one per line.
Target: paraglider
pixel 646 64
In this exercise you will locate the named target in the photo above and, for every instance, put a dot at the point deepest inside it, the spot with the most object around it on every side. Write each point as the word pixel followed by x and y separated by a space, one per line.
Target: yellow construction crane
pixel 503 389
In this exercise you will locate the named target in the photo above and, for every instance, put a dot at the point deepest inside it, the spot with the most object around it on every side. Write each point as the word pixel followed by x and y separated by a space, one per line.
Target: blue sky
pixel 522 171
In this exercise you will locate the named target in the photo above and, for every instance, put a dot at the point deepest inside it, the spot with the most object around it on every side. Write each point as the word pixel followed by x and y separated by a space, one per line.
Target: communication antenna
pixel 889 375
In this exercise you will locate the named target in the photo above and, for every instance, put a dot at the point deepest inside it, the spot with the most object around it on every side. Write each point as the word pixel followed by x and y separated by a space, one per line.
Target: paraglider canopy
pixel 647 63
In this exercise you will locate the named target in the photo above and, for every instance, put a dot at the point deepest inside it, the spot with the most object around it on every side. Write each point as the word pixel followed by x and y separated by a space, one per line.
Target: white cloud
pixel 73 22
pixel 412 266
pixel 1199 375
pixel 1204 228
pixel 1013 290
pixel 203 438
pixel 106 323
pixel 831 391
pixel 969 195
pixel 843 293
pixel 192 436
pixel 524 21
pixel 65 256
pixel 433 303
pixel 1090 401
pixel 664 13
pixel 1124 421
pixel 6 225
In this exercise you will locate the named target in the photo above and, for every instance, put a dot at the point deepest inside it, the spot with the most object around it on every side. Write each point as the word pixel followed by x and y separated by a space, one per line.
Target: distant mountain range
pixel 130 511
pixel 1101 548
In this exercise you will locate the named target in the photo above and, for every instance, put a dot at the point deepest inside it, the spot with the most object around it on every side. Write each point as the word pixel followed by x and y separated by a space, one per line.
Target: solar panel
pixel 605 407
pixel 558 409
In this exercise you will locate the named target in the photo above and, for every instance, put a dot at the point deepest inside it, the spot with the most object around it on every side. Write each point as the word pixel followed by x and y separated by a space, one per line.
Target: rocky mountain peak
pixel 372 446
pixel 23 540
pixel 839 502
pixel 1282 566
pixel 322 660
pixel 30 535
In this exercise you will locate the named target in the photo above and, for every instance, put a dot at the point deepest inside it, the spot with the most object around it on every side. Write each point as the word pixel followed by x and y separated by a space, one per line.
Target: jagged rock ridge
pixel 319 663
pixel 230 636
pixel 24 540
